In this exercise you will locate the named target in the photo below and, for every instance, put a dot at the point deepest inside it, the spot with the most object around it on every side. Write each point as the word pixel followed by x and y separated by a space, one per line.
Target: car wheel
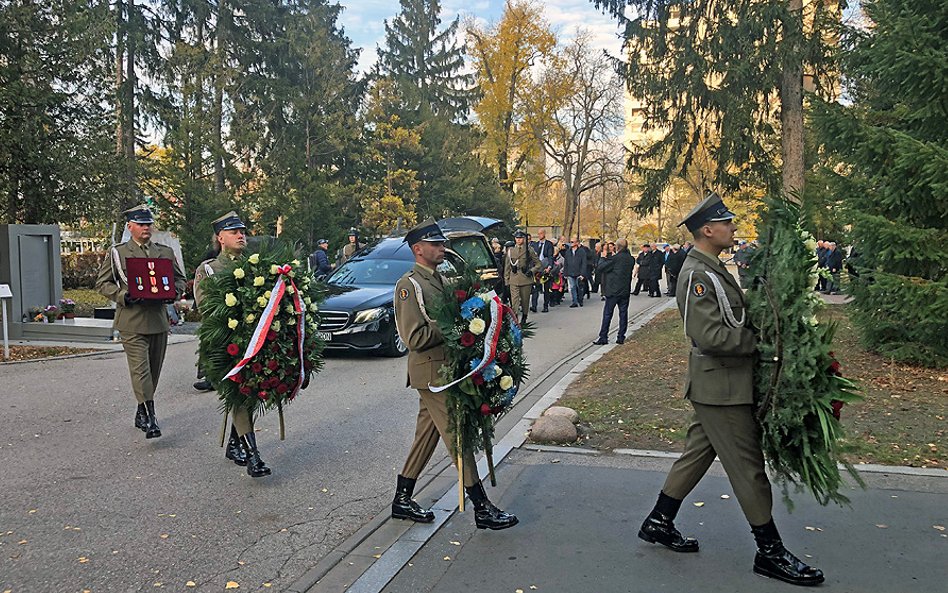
pixel 393 345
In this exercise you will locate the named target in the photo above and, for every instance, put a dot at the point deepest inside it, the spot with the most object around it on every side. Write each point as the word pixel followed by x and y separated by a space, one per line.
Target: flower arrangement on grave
pixel 51 313
pixel 485 365
pixel 258 337
pixel 799 389
pixel 68 308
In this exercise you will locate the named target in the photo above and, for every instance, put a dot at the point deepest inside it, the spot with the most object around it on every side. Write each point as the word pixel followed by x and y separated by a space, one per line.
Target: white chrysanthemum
pixel 812 320
pixel 261 302
pixel 275 326
pixel 290 290
pixel 296 262
pixel 239 273
pixel 250 317
pixel 267 294
pixel 313 307
pixel 291 321
pixel 232 323
pixel 811 244
pixel 254 259
pixel 258 281
pixel 477 326
pixel 506 382
pixel 229 299
pixel 274 269
pixel 307 300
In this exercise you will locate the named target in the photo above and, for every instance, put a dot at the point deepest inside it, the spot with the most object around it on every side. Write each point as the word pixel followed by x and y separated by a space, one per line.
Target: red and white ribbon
pixel 259 337
pixel 491 338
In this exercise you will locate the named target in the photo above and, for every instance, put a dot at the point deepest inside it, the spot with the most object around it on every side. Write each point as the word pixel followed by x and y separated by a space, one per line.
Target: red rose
pixel 503 357
pixel 461 295
pixel 476 286
pixel 244 390
pixel 837 407
pixel 282 388
pixel 271 335
pixel 477 379
pixel 233 349
pixel 273 365
pixel 256 367
pixel 274 347
pixel 263 395
pixel 467 339
pixel 485 409
pixel 834 368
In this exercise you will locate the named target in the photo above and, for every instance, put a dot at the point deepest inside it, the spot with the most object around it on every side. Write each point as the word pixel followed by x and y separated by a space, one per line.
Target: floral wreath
pixel 258 336
pixel 799 388
pixel 485 365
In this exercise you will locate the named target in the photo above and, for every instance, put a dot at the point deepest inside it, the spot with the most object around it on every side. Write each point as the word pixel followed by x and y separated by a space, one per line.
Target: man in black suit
pixel 616 287
pixel 643 261
pixel 834 263
pixel 657 264
pixel 674 263
pixel 545 252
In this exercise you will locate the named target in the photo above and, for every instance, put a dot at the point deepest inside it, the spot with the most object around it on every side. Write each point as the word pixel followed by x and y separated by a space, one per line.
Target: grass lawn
pixel 86 300
pixel 631 398
pixel 38 352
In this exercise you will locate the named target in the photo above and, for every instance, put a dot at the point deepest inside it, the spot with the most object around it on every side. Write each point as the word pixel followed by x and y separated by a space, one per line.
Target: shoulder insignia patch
pixel 403 294
pixel 699 289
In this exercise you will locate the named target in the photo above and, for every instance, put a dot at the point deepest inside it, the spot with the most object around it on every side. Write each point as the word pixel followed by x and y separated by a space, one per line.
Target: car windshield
pixel 474 252
pixel 370 271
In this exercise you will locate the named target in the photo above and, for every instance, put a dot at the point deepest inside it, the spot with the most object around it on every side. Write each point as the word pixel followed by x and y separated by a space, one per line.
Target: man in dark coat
pixel 576 257
pixel 656 265
pixel 675 261
pixel 834 263
pixel 616 287
pixel 643 261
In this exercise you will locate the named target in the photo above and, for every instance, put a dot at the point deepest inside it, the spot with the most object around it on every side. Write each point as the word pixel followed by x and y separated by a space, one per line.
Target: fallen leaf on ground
pixel 881 526
pixel 21 542
pixel 699 504
pixel 163 536
pixel 725 497
pixel 32 511
pixel 376 555
pixel 241 563
pixel 268 585
pixel 459 543
pixel 533 587
pixel 232 585
pixel 554 461
pixel 447 557
pixel 939 527
pixel 518 591
pixel 83 559
pixel 190 584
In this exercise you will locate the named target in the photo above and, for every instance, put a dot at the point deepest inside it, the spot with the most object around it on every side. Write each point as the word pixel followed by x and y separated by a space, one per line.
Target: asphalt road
pixel 90 505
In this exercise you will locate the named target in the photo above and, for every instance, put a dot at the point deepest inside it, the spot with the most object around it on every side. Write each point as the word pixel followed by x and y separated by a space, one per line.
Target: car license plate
pixel 324 336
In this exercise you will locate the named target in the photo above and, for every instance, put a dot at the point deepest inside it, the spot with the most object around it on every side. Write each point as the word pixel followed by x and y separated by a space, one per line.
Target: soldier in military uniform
pixel 231 233
pixel 142 325
pixel 521 263
pixel 420 287
pixel 720 388
pixel 349 249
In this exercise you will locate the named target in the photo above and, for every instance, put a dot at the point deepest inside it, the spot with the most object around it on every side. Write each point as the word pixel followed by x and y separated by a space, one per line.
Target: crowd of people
pixel 534 268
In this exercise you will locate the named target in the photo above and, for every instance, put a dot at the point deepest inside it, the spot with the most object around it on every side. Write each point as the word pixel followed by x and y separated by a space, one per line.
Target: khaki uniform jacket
pixel 208 268
pixel 527 262
pixel 721 364
pixel 417 329
pixel 149 317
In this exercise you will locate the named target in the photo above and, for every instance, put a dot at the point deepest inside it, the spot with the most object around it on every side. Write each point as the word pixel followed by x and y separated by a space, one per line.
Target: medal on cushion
pixel 164 280
pixel 138 283
pixel 151 268
pixel 154 285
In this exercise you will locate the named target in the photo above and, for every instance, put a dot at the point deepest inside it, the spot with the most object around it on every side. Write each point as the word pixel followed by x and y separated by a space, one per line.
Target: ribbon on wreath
pixel 491 338
pixel 259 336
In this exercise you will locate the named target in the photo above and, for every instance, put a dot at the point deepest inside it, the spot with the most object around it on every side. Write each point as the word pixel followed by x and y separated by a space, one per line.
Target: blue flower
pixel 474 363
pixel 508 396
pixel 517 334
pixel 470 306
pixel 489 372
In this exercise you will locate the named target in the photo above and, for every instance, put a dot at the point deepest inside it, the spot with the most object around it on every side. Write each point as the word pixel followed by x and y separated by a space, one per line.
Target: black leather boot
pixel 775 561
pixel 151 421
pixel 486 515
pixel 523 319
pixel 659 526
pixel 403 507
pixel 203 385
pixel 256 468
pixel 141 418
pixel 235 451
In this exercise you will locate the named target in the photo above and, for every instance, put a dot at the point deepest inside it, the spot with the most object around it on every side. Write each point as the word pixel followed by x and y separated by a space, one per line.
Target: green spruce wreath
pixel 799 389
pixel 232 304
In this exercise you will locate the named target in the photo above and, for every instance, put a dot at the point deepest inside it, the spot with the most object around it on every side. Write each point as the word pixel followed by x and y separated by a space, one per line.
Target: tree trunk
pixel 791 107
pixel 223 22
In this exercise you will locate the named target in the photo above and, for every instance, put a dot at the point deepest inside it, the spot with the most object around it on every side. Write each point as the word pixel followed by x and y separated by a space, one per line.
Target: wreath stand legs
pixel 224 429
pixel 489 453
pixel 282 423
pixel 460 465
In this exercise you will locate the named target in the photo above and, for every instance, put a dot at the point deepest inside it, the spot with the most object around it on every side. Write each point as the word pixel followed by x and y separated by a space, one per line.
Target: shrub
pixel 80 269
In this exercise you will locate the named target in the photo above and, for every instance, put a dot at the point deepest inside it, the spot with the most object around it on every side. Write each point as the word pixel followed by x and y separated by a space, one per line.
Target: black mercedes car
pixel 359 313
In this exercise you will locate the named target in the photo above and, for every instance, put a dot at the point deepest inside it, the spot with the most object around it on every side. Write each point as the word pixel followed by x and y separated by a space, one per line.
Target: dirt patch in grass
pixel 40 352
pixel 632 398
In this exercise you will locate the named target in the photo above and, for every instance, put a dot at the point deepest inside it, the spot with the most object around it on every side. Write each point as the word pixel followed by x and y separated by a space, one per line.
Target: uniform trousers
pixel 520 298
pixel 241 420
pixel 145 354
pixel 732 434
pixel 432 423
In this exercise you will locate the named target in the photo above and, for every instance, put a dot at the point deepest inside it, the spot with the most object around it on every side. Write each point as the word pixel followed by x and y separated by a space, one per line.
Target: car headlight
pixel 369 315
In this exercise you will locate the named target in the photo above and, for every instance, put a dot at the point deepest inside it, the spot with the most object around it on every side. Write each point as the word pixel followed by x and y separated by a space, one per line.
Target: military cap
pixel 520 233
pixel 139 214
pixel 710 209
pixel 425 231
pixel 228 222
pixel 353 232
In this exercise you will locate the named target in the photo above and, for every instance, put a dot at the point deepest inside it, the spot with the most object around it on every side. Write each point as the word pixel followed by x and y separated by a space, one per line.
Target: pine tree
pixel 425 64
pixel 891 147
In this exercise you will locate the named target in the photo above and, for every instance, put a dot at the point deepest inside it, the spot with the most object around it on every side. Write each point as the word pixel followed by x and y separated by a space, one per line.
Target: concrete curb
pixel 402 545
pixel 100 348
